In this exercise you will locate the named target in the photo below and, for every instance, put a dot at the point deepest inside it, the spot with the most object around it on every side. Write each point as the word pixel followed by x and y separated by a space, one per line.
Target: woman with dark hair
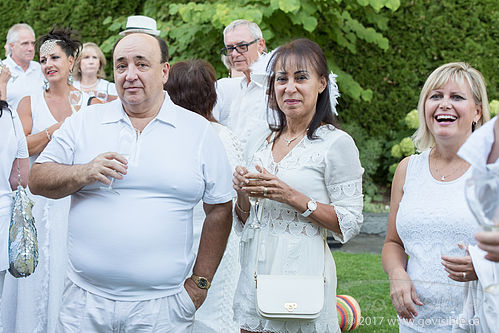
pixel 191 84
pixel 37 301
pixel 308 178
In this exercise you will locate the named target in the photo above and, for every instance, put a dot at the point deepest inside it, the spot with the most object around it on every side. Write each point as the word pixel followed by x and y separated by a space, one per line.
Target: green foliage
pixel 423 35
pixel 199 26
pixel 412 119
pixel 494 108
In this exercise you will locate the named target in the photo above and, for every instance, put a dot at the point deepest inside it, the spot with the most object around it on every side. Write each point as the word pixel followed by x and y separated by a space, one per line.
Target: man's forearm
pixel 55 180
pixel 216 230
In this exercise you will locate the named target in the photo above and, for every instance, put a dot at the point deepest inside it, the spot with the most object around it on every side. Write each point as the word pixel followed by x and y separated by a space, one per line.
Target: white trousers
pixel 83 312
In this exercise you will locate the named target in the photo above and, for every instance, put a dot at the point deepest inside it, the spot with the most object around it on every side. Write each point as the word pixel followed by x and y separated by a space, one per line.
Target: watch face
pixel 203 283
pixel 312 205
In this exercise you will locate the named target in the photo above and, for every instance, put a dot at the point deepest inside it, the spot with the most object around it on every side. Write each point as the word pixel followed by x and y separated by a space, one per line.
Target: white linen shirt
pixel 22 83
pixel 137 245
pixel 248 111
pixel 227 88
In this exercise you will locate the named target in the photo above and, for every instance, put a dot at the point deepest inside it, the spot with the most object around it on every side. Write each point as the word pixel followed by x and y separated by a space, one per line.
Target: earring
pixel 70 78
pixel 46 84
pixel 473 125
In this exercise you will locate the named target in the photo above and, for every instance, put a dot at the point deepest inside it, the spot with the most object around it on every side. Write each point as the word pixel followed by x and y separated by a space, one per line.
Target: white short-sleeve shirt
pixel 137 245
pixel 22 83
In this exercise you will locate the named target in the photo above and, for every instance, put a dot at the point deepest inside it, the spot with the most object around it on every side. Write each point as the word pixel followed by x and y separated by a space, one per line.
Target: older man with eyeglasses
pixel 244 111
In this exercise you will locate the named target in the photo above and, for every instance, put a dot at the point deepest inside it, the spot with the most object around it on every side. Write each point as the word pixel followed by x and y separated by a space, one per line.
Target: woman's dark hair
pixel 66 38
pixel 303 53
pixel 191 84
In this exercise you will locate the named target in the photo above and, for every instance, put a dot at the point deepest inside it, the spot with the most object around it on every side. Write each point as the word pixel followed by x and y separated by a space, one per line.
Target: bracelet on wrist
pixel 48 134
pixel 242 210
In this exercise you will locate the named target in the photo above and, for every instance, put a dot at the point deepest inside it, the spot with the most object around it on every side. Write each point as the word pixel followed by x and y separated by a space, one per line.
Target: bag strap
pixel 257 237
pixel 15 134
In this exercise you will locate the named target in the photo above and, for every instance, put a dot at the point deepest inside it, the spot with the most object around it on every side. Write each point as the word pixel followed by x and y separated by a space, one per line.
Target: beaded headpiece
pixel 48 47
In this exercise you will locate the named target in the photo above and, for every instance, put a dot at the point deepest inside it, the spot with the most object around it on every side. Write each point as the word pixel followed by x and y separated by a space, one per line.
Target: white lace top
pixel 326 169
pixel 432 218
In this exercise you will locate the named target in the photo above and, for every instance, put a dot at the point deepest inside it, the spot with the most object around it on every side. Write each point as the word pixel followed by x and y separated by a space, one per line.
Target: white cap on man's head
pixel 140 23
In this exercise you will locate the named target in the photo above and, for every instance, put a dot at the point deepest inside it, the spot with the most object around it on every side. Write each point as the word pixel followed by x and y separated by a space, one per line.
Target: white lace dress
pixel 432 218
pixel 326 169
pixel 216 314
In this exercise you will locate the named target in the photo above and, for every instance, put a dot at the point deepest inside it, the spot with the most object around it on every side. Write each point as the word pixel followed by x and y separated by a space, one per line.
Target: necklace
pixel 454 170
pixel 288 141
pixel 89 86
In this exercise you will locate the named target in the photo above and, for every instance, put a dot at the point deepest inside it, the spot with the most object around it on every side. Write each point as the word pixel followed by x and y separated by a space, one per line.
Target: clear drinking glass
pixel 125 148
pixel 75 100
pixel 101 95
pixel 483 199
pixel 254 200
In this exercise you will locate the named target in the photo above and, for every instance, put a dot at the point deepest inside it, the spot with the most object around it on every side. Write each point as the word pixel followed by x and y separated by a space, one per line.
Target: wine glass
pixel 125 148
pixel 254 200
pixel 101 95
pixel 75 100
pixel 483 200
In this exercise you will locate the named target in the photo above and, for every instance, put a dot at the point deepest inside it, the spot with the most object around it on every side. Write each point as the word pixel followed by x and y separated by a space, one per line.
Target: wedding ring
pixel 464 275
pixel 264 191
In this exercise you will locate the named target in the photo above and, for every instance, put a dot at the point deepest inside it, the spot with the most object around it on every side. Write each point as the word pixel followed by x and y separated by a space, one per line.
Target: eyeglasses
pixel 241 48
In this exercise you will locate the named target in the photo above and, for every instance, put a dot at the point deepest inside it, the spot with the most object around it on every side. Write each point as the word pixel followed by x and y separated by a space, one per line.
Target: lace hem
pixel 290 326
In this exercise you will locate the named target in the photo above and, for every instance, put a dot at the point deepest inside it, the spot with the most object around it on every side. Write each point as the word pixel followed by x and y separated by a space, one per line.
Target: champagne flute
pixel 101 95
pixel 125 147
pixel 75 100
pixel 483 200
pixel 254 200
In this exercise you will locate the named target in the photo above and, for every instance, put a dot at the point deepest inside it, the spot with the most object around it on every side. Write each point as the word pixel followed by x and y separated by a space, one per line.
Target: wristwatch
pixel 201 282
pixel 311 206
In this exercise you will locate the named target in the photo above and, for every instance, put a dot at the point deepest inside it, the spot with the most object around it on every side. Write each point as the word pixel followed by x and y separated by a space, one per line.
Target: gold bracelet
pixel 48 134
pixel 242 210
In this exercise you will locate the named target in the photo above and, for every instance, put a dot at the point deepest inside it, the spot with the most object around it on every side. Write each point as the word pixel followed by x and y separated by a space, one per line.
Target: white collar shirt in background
pixel 227 89
pixel 22 83
pixel 137 245
pixel 248 111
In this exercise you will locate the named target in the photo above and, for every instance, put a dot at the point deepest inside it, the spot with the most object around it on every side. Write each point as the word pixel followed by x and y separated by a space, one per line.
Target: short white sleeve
pixel 216 170
pixel 343 177
pixel 22 147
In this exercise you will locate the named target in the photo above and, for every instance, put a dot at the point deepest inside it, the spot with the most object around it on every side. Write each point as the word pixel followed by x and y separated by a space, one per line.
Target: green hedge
pixel 423 35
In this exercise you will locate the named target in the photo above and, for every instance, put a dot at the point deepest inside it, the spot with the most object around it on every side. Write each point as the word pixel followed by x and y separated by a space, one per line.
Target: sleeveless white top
pixel 432 218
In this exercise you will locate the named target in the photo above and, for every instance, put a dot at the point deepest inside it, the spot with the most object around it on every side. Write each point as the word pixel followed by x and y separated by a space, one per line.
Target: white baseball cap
pixel 140 23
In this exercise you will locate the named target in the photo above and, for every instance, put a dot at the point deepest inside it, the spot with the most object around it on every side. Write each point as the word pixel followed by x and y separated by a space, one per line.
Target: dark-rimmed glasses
pixel 241 48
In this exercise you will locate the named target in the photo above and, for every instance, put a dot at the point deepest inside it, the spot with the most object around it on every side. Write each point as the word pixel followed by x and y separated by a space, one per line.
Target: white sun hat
pixel 140 23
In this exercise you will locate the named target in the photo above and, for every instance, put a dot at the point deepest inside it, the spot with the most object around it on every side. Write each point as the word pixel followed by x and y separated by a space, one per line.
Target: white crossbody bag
pixel 289 296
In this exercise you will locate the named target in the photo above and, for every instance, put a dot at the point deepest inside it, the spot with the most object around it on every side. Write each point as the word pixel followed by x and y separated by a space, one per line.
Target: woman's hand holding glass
pixel 460 267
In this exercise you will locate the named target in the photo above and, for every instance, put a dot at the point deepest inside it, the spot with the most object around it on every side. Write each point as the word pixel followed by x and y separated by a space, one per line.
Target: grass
pixel 362 277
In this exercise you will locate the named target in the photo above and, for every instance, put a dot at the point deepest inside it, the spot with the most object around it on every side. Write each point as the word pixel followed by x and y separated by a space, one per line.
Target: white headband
pixel 48 47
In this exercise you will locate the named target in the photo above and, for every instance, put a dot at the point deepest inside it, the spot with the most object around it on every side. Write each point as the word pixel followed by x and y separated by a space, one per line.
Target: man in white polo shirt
pixel 130 245
pixel 26 75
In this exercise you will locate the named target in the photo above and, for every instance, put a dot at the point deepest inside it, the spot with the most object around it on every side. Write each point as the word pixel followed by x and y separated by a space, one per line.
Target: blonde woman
pixel 429 216
pixel 89 73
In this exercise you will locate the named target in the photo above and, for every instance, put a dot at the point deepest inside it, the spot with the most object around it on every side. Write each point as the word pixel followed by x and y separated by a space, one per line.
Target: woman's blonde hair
pixel 458 72
pixel 102 61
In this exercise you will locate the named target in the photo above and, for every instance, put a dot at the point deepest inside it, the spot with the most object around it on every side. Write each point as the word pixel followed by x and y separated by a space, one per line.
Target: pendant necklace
pixel 288 141
pixel 443 177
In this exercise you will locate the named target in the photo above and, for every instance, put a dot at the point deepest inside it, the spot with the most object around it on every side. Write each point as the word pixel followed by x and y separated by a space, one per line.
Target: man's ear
pixel 166 71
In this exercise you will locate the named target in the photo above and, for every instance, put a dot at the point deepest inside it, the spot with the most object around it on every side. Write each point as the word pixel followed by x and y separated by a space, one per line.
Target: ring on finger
pixel 264 191
pixel 464 275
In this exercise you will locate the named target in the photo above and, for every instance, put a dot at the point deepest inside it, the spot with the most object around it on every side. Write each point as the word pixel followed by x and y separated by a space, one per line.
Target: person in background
pixel 36 299
pixel 308 179
pixel 191 84
pixel 89 76
pixel 247 113
pixel 430 224
pixel 26 74
pixel 13 162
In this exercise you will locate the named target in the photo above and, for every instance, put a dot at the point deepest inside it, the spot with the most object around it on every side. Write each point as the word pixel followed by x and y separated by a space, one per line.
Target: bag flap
pixel 288 294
